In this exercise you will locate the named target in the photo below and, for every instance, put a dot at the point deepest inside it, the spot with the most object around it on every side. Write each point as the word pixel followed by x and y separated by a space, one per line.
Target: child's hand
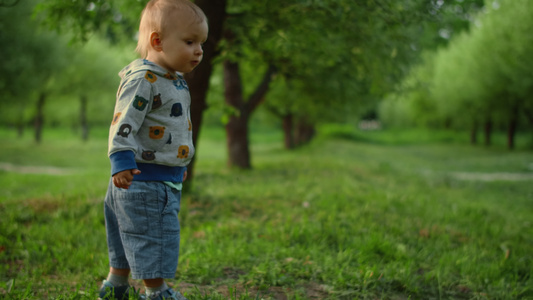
pixel 184 175
pixel 123 179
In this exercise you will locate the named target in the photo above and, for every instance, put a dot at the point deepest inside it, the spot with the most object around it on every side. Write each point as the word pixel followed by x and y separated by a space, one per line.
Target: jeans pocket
pixel 170 212
pixel 130 209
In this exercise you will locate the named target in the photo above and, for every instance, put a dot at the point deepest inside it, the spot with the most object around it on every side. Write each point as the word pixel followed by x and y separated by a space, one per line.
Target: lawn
pixel 353 215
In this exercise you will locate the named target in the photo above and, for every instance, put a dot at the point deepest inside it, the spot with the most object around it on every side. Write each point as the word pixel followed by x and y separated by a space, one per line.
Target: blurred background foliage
pixel 480 81
pixel 293 64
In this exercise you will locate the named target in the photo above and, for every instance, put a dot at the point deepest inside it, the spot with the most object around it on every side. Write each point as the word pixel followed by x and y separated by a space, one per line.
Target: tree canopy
pixel 324 60
pixel 483 76
pixel 352 48
pixel 31 57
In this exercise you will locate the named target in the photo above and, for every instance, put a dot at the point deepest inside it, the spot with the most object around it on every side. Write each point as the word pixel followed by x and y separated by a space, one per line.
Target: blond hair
pixel 156 16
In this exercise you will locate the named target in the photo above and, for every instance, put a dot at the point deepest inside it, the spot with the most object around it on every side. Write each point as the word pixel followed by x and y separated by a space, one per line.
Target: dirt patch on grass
pixel 237 290
pixel 501 176
pixel 8 167
pixel 309 291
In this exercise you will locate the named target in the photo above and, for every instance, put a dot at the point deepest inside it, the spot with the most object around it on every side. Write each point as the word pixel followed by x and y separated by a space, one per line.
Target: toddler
pixel 150 145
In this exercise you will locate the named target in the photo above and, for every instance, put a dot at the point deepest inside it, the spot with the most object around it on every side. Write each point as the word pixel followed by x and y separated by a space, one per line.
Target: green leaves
pixel 483 75
pixel 116 20
pixel 32 56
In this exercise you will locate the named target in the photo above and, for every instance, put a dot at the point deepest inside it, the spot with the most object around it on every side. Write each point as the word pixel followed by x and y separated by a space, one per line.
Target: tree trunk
pixel 237 127
pixel 238 143
pixel 305 132
pixel 288 131
pixel 39 117
pixel 20 124
pixel 513 122
pixel 20 129
pixel 83 118
pixel 198 80
pixel 529 116
pixel 488 132
pixel 473 134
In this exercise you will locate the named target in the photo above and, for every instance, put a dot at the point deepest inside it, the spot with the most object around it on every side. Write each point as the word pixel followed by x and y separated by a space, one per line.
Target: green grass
pixel 354 215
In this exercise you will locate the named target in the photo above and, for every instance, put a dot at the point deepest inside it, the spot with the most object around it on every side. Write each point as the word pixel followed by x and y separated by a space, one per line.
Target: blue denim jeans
pixel 143 230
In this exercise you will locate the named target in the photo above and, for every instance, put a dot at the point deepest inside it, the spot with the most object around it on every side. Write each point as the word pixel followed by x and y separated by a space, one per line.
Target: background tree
pixel 341 57
pixel 482 77
pixel 32 57
pixel 340 54
pixel 91 77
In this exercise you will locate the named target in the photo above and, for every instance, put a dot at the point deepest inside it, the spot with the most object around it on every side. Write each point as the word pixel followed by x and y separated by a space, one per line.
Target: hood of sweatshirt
pixel 143 65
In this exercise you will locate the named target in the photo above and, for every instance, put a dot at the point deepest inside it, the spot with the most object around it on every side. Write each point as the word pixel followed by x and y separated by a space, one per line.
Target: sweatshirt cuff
pixel 122 160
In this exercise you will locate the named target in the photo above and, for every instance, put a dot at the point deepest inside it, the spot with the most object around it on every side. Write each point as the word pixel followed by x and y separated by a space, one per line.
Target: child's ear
pixel 155 41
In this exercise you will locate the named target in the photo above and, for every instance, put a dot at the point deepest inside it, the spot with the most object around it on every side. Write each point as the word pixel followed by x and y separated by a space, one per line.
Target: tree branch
pixel 233 85
pixel 257 97
pixel 4 3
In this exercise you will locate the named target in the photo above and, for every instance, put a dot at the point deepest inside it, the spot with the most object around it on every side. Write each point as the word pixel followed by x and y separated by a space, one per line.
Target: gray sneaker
pixel 108 291
pixel 168 294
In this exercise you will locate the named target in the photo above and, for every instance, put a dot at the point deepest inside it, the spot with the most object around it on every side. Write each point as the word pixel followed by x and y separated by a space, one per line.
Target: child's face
pixel 182 44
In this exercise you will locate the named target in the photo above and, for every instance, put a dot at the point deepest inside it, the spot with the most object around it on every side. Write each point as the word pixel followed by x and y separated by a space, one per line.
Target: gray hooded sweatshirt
pixel 151 128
